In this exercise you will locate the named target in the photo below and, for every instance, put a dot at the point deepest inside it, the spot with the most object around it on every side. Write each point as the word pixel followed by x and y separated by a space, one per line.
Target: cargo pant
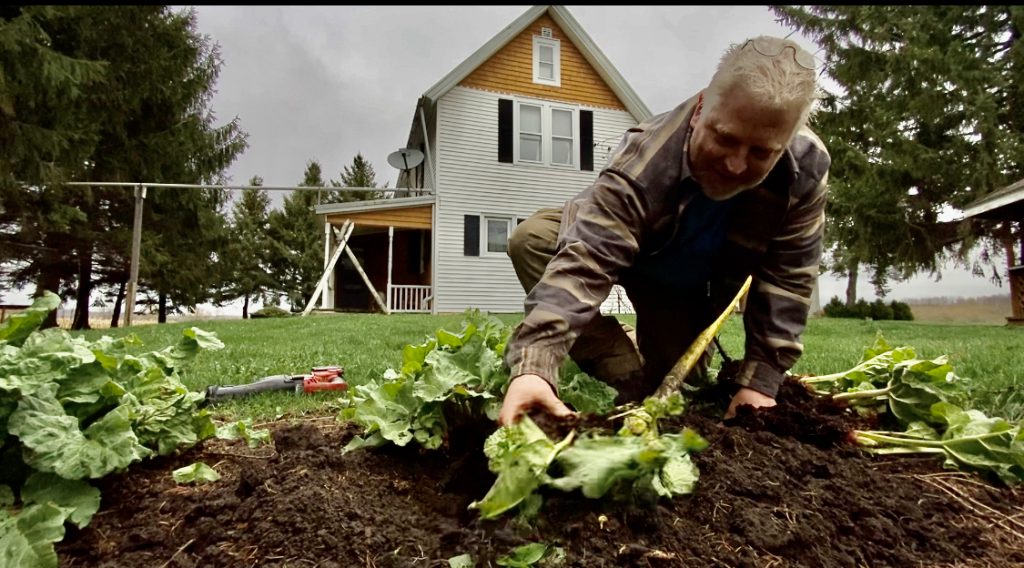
pixel 633 361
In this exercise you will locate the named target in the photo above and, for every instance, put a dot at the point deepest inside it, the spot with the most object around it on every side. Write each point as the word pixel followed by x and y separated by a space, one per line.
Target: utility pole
pixel 133 279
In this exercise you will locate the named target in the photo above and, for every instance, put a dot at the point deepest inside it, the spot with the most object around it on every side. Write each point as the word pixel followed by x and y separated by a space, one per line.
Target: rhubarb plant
pixel 927 399
pixel 455 375
pixel 637 462
pixel 970 441
pixel 72 410
pixel 892 380
pixel 450 376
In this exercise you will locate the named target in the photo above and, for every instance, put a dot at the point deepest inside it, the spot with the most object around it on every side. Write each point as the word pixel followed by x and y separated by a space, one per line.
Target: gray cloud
pixel 326 82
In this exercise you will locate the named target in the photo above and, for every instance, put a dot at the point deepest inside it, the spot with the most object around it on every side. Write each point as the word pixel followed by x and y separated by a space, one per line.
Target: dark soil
pixel 779 487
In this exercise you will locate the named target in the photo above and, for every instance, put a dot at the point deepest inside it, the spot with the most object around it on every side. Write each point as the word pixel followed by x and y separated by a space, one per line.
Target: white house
pixel 526 122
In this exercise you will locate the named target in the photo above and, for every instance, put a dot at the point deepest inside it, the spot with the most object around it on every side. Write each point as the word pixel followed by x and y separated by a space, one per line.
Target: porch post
pixel 391 243
pixel 327 300
pixel 433 212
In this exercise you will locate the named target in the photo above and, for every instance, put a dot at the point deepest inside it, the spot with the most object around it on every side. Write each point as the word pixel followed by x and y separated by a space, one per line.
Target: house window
pixel 496 234
pixel 541 133
pixel 530 133
pixel 562 137
pixel 546 134
pixel 547 66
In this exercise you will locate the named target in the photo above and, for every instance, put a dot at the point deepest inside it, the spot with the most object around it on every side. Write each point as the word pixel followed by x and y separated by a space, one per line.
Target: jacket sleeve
pixel 599 236
pixel 780 297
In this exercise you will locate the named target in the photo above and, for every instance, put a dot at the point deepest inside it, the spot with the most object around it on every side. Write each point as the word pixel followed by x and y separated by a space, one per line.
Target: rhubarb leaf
pixel 198 472
pixel 26 539
pixel 520 454
pixel 76 496
pixel 55 443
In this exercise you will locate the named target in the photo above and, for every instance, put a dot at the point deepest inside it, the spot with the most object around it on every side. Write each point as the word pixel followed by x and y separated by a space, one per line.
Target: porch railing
pixel 409 298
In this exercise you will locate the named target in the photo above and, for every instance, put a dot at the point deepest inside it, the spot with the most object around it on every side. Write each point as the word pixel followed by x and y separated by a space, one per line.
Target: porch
pixel 1005 208
pixel 391 241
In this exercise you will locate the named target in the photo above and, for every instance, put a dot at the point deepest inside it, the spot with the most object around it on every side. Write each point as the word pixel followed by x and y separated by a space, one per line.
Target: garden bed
pixel 778 487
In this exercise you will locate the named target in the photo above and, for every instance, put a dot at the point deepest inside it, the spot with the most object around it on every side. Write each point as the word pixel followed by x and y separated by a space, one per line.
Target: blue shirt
pixel 683 266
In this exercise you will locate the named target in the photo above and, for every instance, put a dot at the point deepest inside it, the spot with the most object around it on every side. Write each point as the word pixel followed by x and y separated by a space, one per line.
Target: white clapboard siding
pixel 617 302
pixel 471 181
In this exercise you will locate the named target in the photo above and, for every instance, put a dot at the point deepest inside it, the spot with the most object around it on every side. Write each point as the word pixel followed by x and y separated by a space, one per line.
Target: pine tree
pixel 148 120
pixel 359 174
pixel 44 135
pixel 296 241
pixel 45 139
pixel 246 256
pixel 929 117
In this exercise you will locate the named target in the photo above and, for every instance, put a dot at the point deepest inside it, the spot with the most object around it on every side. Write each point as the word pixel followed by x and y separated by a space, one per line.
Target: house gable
pixel 509 71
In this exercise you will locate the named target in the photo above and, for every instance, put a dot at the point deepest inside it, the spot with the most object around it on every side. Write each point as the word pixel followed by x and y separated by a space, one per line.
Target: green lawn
pixel 367 344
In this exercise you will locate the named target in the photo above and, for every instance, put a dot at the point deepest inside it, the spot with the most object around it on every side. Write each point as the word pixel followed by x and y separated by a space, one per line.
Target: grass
pixel 365 345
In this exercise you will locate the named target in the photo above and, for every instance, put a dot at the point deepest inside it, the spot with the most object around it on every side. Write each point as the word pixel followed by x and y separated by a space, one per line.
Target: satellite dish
pixel 405 158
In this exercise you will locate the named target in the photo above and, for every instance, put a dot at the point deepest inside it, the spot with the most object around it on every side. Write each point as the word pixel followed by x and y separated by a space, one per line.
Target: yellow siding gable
pixel 511 71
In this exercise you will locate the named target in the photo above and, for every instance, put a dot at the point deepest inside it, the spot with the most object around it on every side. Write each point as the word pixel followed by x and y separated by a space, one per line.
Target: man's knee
pixel 519 243
pixel 532 244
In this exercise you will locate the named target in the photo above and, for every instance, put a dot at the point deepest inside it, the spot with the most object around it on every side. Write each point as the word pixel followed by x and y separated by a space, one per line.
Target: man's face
pixel 735 144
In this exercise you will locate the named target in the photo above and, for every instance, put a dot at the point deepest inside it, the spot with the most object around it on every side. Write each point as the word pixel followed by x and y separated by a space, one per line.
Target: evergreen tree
pixel 928 118
pixel 247 254
pixel 359 174
pixel 149 121
pixel 45 139
pixel 296 241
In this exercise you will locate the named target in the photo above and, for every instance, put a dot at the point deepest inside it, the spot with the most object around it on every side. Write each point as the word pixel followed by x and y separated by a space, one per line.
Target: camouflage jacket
pixel 774 233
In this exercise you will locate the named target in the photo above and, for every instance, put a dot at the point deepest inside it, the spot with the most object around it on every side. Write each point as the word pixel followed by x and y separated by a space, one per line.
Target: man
pixel 730 183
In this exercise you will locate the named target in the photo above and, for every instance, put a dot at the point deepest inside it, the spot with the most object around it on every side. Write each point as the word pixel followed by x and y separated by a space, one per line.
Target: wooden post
pixel 133 278
pixel 346 231
pixel 327 300
pixel 1016 295
pixel 391 242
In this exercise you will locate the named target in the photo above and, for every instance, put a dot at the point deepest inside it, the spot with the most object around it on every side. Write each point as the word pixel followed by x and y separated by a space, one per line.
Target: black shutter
pixel 587 140
pixel 471 235
pixel 505 131
pixel 520 220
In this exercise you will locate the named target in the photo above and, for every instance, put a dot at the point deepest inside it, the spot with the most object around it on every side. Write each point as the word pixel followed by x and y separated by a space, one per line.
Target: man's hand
pixel 526 392
pixel 746 396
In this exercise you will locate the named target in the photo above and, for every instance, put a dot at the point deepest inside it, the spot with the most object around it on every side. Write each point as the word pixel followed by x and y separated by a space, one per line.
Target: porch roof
pixel 1006 204
pixel 374 205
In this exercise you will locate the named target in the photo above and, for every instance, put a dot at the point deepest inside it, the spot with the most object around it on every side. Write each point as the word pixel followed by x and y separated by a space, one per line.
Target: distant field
pixel 100 319
pixel 974 310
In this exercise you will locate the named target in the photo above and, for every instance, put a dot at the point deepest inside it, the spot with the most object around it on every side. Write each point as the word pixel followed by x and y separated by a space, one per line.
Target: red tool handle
pixel 325 379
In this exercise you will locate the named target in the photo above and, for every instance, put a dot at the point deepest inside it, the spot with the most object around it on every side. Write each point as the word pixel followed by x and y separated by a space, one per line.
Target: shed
pixel 1007 205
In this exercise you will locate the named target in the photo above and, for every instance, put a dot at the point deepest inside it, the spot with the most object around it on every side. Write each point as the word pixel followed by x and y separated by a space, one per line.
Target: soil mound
pixel 778 487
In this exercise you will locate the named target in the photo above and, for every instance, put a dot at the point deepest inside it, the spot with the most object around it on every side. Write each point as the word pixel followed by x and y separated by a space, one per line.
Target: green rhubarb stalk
pixel 909 444
pixel 972 441
pixel 879 363
pixel 862 395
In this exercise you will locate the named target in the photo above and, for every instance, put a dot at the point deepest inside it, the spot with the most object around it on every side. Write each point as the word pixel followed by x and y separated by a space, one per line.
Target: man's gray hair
pixel 774 70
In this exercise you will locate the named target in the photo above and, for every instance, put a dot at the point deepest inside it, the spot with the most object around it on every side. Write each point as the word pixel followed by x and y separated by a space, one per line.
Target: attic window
pixel 545 33
pixel 547 66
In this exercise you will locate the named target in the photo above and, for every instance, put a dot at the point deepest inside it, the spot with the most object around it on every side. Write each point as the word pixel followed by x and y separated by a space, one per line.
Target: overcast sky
pixel 326 82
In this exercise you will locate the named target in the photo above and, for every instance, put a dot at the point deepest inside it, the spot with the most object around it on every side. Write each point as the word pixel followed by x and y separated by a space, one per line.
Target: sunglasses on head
pixel 802 58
